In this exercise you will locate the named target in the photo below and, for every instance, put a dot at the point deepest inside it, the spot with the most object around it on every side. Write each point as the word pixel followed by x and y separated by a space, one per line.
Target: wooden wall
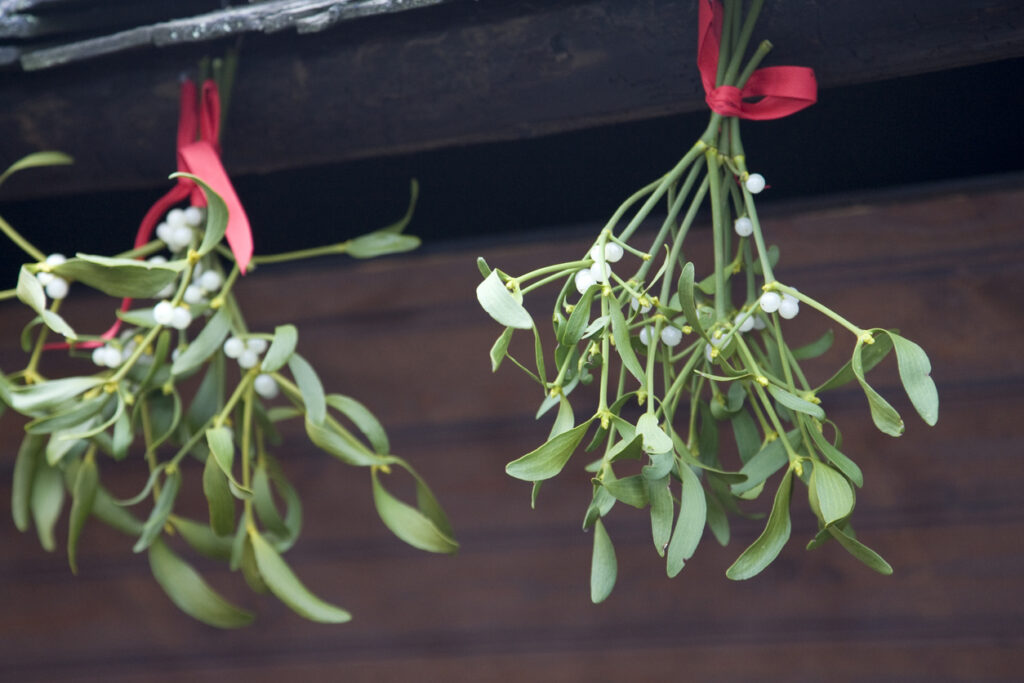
pixel 943 505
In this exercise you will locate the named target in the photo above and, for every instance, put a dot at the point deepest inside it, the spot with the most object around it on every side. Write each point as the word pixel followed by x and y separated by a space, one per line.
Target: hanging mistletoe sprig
pixel 699 355
pixel 135 404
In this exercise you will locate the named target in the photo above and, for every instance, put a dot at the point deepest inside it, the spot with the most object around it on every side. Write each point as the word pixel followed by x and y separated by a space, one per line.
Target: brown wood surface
pixel 406 336
pixel 457 74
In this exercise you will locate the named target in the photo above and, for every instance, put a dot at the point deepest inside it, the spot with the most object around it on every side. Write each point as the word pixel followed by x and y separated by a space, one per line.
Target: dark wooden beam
pixel 458 74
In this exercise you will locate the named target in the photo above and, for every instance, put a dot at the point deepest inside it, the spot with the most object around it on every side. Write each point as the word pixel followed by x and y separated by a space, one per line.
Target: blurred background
pixel 896 200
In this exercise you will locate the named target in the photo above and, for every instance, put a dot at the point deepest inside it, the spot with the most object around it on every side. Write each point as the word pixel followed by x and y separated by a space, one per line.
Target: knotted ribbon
pixel 198 153
pixel 783 90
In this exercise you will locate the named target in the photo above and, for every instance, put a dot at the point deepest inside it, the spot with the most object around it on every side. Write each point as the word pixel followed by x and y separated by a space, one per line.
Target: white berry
pixel 770 302
pixel 157 260
pixel 671 336
pixel 163 313
pixel 248 359
pixel 45 278
pixel 789 307
pixel 755 183
pixel 744 227
pixel 181 237
pixel 180 318
pixel 645 335
pixel 99 355
pixel 55 259
pixel 175 217
pixel 709 352
pixel 584 281
pixel 759 323
pixel 193 216
pixel 211 281
pixel 746 324
pixel 57 288
pixel 612 252
pixel 635 304
pixel 194 295
pixel 256 345
pixel 165 233
pixel 234 347
pixel 600 274
pixel 265 386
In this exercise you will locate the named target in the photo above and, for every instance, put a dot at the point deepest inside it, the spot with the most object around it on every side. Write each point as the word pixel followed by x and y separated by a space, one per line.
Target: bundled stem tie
pixel 688 357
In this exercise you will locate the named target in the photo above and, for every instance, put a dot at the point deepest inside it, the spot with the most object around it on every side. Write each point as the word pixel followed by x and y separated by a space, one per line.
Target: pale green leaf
pixel 190 592
pixel 408 523
pixel 884 415
pixel 549 459
pixel 843 463
pixel 310 387
pixel 202 539
pixel 154 524
pixel 861 551
pixel 630 490
pixel 46 502
pixel 218 498
pixel 283 583
pixel 25 465
pixel 216 215
pixel 693 513
pixel 623 344
pixel 915 373
pixel 501 305
pixel 380 243
pixel 206 343
pixel 363 419
pixel 769 544
pixel 500 348
pixel 35 160
pixel 603 566
pixel 286 338
pixel 119 276
pixel 794 402
pixel 655 440
pixel 82 498
pixel 832 493
pixel 662 507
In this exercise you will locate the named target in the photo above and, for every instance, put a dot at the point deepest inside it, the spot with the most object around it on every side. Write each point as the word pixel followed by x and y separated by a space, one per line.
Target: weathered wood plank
pixel 459 74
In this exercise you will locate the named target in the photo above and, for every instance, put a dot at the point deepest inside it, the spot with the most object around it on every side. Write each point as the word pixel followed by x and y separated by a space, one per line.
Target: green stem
pixel 25 245
pixel 236 395
pixel 245 447
pixel 8 294
pixel 858 332
pixel 714 179
pixel 339 248
pixel 145 250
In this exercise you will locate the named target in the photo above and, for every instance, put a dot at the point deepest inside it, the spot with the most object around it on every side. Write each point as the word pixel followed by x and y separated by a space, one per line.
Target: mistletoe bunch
pixel 701 348
pixel 216 433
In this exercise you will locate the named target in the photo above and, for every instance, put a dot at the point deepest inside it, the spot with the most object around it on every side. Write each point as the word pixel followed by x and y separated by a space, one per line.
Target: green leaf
pixel 222 447
pixel 884 415
pixel 380 243
pixel 82 498
pixel 662 507
pixel 216 215
pixel 250 569
pixel 482 266
pixel 572 331
pixel 843 463
pixel 765 463
pixel 655 440
pixel 915 369
pixel 348 450
pixel 206 343
pixel 603 566
pixel 630 490
pixel 830 494
pixel 871 355
pixel 218 498
pixel 718 522
pixel 748 442
pixel 120 277
pixel 202 539
pixel 861 551
pixel 408 523
pixel 686 300
pixel 661 465
pixel 501 304
pixel 286 338
pixel 36 398
pixel 769 544
pixel 693 513
pixel 104 509
pixel 208 398
pixel 549 459
pixel 623 344
pixel 46 502
pixel 283 583
pixel 310 387
pixel 401 223
pixel 31 293
pixel 363 419
pixel 285 531
pixel 161 509
pixel 564 420
pixel 816 347
pixel 190 592
pixel 25 465
pixel 794 402
pixel 500 348
pixel 35 160
pixel 123 436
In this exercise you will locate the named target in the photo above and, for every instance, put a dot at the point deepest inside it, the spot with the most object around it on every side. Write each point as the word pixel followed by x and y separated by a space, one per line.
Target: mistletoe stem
pixel 16 237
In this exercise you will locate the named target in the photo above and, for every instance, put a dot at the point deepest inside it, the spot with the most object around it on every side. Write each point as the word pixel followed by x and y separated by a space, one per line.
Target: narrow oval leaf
pixel 46 502
pixel 216 215
pixel 30 291
pixel 686 300
pixel 408 523
pixel 500 348
pixel 548 460
pixel 843 463
pixel 662 507
pixel 310 387
pixel 206 343
pixel 794 402
pixel 82 498
pixel 693 513
pixel 35 398
pixel 350 452
pixel 286 338
pixel 816 347
pixel 202 539
pixel 604 567
pixel 120 277
pixel 769 544
pixel 915 373
pixel 765 463
pixel 885 417
pixel 623 345
pixel 218 498
pixel 192 595
pixel 161 509
pixel 630 490
pixel 501 305
pixel 861 551
pixel 832 492
pixel 36 159
pixel 871 355
pixel 28 459
pixel 283 583
pixel 381 243
pixel 572 331
pixel 655 440
pixel 363 419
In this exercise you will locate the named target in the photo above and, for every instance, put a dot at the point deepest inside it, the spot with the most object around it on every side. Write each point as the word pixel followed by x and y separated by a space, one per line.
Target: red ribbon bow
pixel 783 90
pixel 198 154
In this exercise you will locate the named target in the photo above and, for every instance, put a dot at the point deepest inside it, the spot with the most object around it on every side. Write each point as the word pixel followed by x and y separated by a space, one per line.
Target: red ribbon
pixel 783 90
pixel 198 152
